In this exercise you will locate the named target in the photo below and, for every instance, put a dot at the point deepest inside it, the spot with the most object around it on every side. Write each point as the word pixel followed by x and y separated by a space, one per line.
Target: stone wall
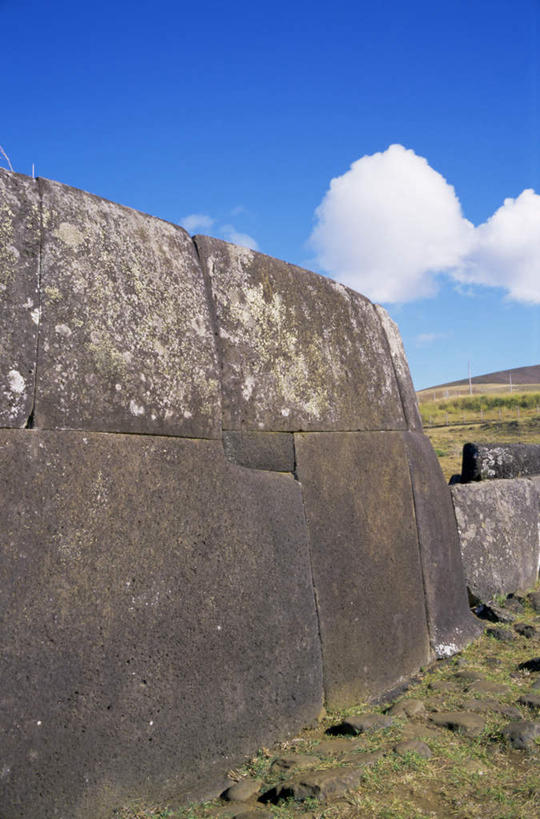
pixel 218 506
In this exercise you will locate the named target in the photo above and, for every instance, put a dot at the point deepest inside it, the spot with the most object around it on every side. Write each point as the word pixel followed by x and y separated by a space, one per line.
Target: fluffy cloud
pixel 391 224
pixel 196 221
pixel 232 235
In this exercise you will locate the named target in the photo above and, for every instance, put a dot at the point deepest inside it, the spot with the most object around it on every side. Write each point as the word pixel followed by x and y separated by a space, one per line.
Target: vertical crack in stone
pixel 312 576
pixel 30 421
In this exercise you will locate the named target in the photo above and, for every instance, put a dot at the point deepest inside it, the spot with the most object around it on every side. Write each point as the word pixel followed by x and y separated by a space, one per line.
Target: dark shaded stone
pixel 365 561
pixel 536 684
pixel 413 746
pixel 522 734
pixel 530 665
pixel 494 613
pixel 514 604
pixel 126 342
pixel 530 700
pixel 534 600
pixel 485 706
pixel 260 450
pixel 19 295
pixel 462 722
pixel 525 629
pixel 362 724
pixel 299 351
pixel 322 785
pixel 242 791
pixel 451 625
pixel 149 582
pixel 493 662
pixel 485 461
pixel 401 368
pixel 502 634
pixel 498 527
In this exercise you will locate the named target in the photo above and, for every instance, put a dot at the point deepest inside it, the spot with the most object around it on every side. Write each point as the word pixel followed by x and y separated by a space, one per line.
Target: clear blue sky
pixel 245 111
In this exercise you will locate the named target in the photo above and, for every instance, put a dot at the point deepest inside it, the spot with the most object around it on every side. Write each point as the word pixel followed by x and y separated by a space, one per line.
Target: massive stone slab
pixel 451 625
pixel 401 368
pixel 260 450
pixel 498 529
pixel 484 461
pixel 160 619
pixel 19 296
pixel 298 351
pixel 126 343
pixel 366 563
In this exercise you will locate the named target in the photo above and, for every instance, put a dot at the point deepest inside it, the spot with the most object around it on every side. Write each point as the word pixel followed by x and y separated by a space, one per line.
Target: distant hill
pixel 520 375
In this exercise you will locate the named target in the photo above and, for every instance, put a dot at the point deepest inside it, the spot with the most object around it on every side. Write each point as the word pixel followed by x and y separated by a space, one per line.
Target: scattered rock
pixel 485 706
pixel 525 630
pixel 321 785
pixel 242 791
pixel 530 665
pixel 362 724
pixel 446 686
pixel 488 687
pixel 419 731
pixel 468 676
pixel 514 604
pixel 463 722
pixel 492 661
pixel 494 613
pixel 522 734
pixel 501 634
pixel 408 708
pixel 298 761
pixel 530 700
pixel 534 600
pixel 337 747
pixel 415 746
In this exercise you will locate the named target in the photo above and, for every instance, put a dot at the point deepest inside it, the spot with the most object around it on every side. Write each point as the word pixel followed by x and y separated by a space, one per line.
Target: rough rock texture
pixel 451 624
pixel 19 296
pixel 366 565
pixel 260 450
pixel 498 528
pixel 483 461
pixel 401 369
pixel 126 343
pixel 299 351
pixel 124 662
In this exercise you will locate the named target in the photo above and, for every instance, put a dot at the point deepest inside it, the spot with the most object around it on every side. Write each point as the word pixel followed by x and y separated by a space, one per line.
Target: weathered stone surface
pixel 242 791
pixel 401 368
pixel 502 634
pixel 363 724
pixel 522 734
pixel 484 461
pixel 534 600
pixel 322 785
pixel 530 700
pixel 260 450
pixel 488 687
pixel 485 706
pixel 494 613
pixel 525 630
pixel 19 296
pixel 408 708
pixel 161 619
pixel 462 722
pixel 413 746
pixel 126 342
pixel 288 762
pixel 365 558
pixel 338 746
pixel 498 527
pixel 451 625
pixel 468 676
pixel 299 351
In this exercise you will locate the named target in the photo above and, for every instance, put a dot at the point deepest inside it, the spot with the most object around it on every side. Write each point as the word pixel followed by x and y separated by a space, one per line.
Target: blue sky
pixel 244 112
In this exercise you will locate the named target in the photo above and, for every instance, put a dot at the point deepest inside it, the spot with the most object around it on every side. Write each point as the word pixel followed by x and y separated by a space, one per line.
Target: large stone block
pixel 298 351
pixel 451 624
pixel 483 461
pixel 401 368
pixel 498 528
pixel 159 619
pixel 126 343
pixel 260 450
pixel 19 296
pixel 366 563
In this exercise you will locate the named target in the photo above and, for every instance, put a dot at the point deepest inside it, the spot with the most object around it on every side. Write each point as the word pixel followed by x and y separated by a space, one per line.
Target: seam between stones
pixel 30 421
pixel 86 431
pixel 214 323
pixel 430 626
pixel 312 577
pixel 394 370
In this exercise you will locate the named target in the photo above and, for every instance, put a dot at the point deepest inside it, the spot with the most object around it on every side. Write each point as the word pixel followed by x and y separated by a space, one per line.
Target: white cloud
pixel 197 221
pixel 232 235
pixel 425 339
pixel 391 224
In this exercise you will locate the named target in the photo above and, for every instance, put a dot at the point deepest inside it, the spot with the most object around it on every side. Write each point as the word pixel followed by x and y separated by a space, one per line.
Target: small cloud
pixel 197 221
pixel 230 233
pixel 425 339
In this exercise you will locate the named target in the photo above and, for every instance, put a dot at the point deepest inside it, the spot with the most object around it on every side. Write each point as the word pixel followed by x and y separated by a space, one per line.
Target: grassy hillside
pixel 481 408
pixel 519 375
